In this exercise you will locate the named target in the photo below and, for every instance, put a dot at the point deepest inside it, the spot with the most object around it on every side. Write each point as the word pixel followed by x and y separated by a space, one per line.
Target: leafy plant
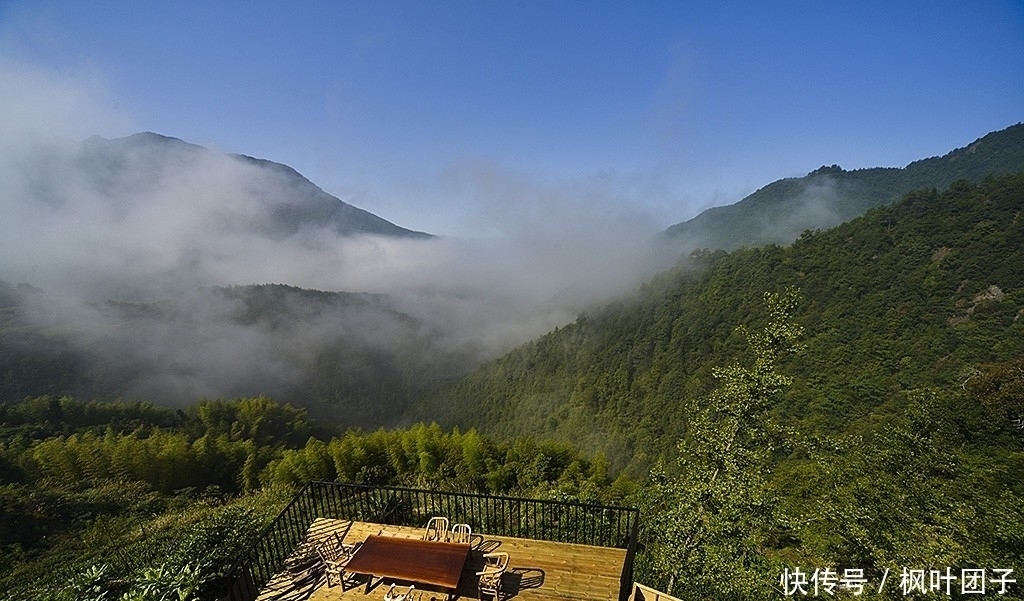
pixel 707 524
pixel 92 584
pixel 167 583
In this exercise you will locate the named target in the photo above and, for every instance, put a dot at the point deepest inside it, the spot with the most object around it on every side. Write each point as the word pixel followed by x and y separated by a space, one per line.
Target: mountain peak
pixel 294 201
pixel 780 211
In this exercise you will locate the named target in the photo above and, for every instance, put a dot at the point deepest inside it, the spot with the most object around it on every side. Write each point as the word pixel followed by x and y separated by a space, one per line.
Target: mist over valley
pixel 168 272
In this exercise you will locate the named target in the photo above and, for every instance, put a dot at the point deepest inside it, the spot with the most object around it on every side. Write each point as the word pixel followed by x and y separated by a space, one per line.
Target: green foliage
pixel 706 526
pixel 92 584
pixel 160 583
pixel 895 444
pixel 426 456
pixel 921 489
pixel 43 416
pixel 166 583
pixel 135 544
pixel 260 419
pixel 1000 387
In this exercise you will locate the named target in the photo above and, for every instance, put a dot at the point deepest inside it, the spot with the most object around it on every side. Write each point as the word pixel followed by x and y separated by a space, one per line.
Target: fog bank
pixel 149 219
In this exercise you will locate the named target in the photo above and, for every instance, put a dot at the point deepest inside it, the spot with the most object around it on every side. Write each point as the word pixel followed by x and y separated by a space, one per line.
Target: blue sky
pixel 442 116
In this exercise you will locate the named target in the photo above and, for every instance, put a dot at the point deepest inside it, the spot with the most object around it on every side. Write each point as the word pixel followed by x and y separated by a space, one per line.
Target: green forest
pixel 852 400
pixel 131 488
pixel 916 295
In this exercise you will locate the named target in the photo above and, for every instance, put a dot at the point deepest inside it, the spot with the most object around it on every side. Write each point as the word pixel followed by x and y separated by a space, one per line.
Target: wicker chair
pixel 335 557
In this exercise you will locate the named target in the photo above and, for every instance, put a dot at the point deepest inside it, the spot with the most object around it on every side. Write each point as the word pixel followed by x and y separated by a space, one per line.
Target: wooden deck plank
pixel 537 569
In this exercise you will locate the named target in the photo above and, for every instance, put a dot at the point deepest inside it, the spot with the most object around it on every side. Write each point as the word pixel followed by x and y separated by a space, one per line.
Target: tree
pixel 707 525
pixel 1000 387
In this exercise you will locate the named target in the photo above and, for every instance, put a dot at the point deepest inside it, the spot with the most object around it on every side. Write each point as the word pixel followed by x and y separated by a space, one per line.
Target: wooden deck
pixel 537 569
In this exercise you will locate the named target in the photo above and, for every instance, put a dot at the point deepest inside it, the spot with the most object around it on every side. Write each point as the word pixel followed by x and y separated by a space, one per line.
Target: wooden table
pixel 418 561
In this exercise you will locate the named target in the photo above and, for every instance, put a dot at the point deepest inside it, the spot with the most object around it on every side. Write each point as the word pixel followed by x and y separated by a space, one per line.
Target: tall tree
pixel 708 523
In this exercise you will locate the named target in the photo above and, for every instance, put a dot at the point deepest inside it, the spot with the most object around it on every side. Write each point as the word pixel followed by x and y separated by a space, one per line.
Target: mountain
pixel 137 163
pixel 780 211
pixel 149 216
pixel 912 295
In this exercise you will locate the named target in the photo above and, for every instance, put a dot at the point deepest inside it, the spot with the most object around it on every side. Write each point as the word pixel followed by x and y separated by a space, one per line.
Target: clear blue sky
pixel 422 111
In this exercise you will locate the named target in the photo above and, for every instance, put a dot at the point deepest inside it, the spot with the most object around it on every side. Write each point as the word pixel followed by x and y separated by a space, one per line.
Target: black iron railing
pixel 556 521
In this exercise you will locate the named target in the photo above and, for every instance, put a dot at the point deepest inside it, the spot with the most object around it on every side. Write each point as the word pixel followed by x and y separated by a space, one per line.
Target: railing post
pixel 626 580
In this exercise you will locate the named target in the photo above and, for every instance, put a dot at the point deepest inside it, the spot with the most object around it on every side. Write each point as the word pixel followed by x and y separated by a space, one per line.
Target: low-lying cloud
pixel 158 219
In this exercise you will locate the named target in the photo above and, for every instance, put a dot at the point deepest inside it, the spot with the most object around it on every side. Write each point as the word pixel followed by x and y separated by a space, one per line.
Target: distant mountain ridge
pixel 137 159
pixel 353 358
pixel 830 195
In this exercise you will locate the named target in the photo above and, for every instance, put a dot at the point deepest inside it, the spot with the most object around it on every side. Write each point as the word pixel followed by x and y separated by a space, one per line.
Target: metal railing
pixel 556 521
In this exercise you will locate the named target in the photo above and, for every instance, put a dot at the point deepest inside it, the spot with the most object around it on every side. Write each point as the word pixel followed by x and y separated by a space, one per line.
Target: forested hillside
pixel 133 487
pixel 872 423
pixel 358 359
pixel 913 295
pixel 780 211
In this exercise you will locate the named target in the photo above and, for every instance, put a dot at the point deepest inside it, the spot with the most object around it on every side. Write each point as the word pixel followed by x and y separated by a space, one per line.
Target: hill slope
pixel 907 296
pixel 780 211
pixel 138 161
